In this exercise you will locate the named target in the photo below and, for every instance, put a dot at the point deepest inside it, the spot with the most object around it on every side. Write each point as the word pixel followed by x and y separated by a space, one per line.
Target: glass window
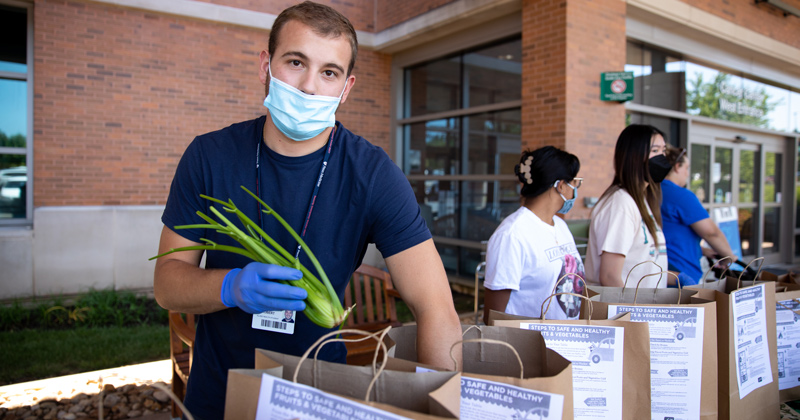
pixel 748 232
pixel 658 77
pixel 747 176
pixel 13 113
pixel 433 87
pixel 699 181
pixel 432 147
pixel 797 246
pixel 772 177
pixel 772 217
pixel 462 168
pixel 722 174
pixel 715 94
pixel 494 142
pixel 797 192
pixel 493 74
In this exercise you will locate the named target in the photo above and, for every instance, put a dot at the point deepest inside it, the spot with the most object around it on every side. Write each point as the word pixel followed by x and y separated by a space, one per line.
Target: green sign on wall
pixel 616 86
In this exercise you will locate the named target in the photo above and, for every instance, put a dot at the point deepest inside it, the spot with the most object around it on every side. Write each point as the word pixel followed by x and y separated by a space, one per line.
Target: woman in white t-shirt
pixel 533 248
pixel 626 222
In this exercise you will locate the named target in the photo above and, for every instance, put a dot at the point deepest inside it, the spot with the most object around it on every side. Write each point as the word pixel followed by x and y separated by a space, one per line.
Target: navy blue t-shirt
pixel 364 198
pixel 679 209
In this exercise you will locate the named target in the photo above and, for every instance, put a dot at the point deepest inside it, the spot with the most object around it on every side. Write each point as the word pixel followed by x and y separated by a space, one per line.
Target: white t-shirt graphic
pixel 528 256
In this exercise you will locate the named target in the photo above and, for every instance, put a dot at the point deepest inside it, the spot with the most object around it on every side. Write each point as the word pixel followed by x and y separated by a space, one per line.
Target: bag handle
pixel 635 296
pixel 548 299
pixel 660 268
pixel 324 340
pixel 586 292
pixel 490 341
pixel 755 279
pixel 585 289
pixel 703 279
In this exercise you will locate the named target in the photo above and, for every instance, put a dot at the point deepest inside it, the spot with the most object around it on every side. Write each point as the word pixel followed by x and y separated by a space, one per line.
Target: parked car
pixel 686 328
pixel 13 191
pixel 604 350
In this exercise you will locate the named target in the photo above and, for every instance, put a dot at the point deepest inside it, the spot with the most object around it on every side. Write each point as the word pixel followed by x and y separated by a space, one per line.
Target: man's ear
pixel 263 67
pixel 351 80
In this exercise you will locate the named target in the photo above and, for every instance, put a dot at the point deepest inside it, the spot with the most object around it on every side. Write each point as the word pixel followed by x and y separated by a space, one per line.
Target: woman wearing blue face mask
pixel 533 248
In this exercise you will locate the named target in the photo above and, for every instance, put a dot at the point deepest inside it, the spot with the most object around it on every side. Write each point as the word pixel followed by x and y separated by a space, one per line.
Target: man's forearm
pixel 180 286
pixel 436 333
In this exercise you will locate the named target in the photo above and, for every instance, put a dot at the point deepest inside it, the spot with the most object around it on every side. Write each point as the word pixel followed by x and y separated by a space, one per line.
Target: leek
pixel 322 304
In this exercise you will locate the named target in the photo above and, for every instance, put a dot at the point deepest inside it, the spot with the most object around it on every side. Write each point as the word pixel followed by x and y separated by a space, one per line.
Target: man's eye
pixel 329 73
pixel 295 63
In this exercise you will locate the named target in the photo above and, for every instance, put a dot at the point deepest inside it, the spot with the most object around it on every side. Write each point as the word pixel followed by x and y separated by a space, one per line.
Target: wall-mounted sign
pixel 616 86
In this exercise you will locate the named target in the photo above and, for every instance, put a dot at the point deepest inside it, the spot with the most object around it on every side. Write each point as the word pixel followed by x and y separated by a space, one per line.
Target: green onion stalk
pixel 322 304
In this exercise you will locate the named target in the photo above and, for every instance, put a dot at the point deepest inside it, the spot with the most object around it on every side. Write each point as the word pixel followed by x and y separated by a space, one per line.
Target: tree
pixel 726 100
pixel 9 161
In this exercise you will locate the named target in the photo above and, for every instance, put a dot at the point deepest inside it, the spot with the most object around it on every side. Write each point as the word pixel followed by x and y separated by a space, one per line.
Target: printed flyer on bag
pixel 489 400
pixel 788 323
pixel 750 336
pixel 280 399
pixel 676 362
pixel 596 356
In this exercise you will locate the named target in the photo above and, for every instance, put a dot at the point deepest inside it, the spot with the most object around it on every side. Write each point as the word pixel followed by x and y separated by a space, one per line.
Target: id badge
pixel 275 321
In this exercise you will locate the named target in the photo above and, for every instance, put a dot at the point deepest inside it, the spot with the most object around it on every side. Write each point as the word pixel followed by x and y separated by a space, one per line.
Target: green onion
pixel 322 304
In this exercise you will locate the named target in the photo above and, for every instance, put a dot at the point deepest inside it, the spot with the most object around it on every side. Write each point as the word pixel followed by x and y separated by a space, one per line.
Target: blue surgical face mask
pixel 298 115
pixel 567 206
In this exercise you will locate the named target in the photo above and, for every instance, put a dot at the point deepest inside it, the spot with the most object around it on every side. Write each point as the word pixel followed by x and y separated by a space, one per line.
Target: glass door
pixel 747 197
pixel 727 169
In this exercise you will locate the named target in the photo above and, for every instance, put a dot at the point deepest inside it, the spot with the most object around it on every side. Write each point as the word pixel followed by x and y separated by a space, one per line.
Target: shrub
pixel 95 309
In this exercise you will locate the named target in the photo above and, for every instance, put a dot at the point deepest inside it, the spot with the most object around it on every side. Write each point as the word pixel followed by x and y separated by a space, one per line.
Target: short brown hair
pixel 675 155
pixel 323 20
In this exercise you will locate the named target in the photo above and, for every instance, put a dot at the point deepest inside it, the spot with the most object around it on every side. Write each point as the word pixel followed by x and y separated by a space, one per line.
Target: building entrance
pixel 749 171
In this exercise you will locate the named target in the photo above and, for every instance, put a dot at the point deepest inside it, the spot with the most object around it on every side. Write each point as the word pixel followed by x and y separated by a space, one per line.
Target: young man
pixel 294 156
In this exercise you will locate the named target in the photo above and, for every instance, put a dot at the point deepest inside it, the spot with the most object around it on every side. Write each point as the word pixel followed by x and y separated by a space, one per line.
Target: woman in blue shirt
pixel 686 222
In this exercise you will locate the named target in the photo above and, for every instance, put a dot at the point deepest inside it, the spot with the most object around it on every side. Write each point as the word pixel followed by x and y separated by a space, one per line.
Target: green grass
pixel 37 354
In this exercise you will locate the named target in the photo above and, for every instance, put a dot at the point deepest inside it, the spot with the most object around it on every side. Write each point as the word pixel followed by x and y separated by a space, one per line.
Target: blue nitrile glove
pixel 251 288
pixel 686 280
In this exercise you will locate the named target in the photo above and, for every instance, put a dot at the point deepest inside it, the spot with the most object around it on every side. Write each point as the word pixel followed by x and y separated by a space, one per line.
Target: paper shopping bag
pixel 683 346
pixel 746 347
pixel 610 361
pixel 537 369
pixel 429 396
pixel 256 394
pixel 435 393
pixel 787 321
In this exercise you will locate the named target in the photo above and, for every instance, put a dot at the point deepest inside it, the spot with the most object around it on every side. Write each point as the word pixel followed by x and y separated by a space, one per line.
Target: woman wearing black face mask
pixel 626 223
pixel 532 249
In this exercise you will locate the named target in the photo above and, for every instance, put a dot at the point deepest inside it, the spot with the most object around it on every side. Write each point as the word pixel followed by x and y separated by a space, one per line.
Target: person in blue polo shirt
pixel 686 222
pixel 298 159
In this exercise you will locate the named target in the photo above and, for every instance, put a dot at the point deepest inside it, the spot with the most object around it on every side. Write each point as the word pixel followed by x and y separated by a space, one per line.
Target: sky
pixel 13 101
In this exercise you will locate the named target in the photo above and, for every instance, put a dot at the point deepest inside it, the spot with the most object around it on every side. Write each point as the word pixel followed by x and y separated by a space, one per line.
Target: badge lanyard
pixel 313 194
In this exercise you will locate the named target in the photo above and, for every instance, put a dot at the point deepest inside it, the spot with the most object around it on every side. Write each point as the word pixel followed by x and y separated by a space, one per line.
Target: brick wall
pixel 595 43
pixel 361 13
pixel 391 12
pixel 565 47
pixel 762 18
pixel 119 93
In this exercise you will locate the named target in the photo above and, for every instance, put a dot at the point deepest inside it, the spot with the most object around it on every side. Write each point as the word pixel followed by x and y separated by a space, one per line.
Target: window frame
pixel 28 150
pixel 401 122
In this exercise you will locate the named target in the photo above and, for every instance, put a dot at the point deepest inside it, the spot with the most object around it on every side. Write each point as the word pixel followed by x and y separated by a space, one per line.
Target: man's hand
pixel 251 288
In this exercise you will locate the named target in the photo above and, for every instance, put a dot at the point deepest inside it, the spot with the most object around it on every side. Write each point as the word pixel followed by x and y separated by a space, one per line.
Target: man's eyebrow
pixel 302 56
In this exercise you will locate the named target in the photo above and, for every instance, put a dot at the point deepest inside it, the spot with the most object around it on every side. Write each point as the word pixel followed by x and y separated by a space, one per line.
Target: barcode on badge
pixel 273 324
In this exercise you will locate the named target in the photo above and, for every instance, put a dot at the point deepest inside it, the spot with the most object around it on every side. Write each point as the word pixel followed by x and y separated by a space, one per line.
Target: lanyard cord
pixel 313 194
